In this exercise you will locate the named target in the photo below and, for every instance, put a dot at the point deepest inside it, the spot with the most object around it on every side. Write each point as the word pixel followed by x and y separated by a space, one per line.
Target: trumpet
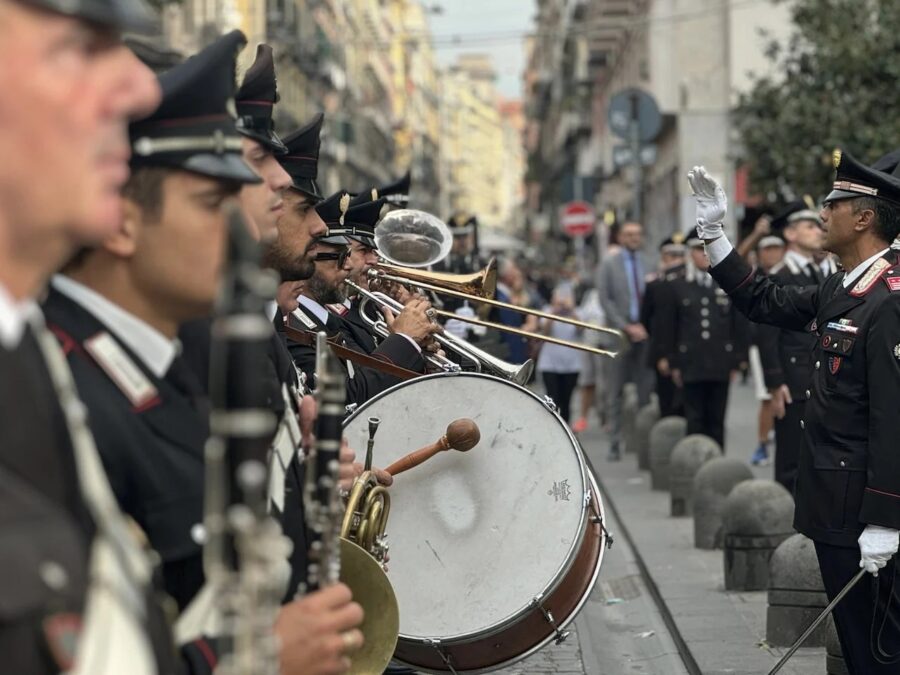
pixel 520 374
pixel 409 239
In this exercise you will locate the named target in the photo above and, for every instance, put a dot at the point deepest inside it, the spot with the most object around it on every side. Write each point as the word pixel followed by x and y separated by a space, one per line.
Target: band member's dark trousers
pixel 560 387
pixel 704 409
pixel 853 615
pixel 788 439
pixel 669 397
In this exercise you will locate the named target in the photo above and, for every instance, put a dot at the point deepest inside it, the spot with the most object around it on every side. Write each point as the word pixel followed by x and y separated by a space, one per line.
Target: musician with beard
pixel 412 327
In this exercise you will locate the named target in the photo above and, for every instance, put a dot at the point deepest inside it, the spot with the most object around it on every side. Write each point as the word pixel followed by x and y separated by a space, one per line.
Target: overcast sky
pixel 485 26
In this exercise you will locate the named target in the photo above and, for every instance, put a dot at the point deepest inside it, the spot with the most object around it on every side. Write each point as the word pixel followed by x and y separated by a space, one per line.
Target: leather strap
pixel 308 338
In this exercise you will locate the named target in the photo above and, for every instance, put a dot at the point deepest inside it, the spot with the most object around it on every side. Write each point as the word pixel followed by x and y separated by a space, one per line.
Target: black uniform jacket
pixel 152 451
pixel 786 355
pixel 656 294
pixel 849 472
pixel 355 329
pixel 279 372
pixel 698 331
pixel 362 383
pixel 43 519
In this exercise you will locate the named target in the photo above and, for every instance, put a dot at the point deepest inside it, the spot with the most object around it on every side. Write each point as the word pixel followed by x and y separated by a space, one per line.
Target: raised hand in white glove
pixel 876 546
pixel 712 204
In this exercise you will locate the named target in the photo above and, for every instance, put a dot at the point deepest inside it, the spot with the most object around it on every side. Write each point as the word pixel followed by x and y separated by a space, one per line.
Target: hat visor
pixel 333 239
pixel 134 16
pixel 269 140
pixel 227 166
pixel 363 239
pixel 835 195
pixel 308 187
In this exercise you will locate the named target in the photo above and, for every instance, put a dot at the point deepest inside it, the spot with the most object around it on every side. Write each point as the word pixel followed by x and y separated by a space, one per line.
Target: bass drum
pixel 493 551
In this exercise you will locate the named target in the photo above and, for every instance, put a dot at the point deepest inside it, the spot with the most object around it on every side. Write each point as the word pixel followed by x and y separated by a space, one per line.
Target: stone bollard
pixel 643 422
pixel 689 455
pixel 796 593
pixel 712 485
pixel 629 413
pixel 664 436
pixel 758 516
pixel 834 657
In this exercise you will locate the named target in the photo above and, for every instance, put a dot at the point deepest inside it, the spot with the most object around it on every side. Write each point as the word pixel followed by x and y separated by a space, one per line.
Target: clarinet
pixel 324 510
pixel 246 553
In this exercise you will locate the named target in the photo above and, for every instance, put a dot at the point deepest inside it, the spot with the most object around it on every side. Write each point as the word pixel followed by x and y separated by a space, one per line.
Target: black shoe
pixel 614 454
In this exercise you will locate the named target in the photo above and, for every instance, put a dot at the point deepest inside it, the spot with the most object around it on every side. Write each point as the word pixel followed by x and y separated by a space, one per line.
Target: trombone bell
pixel 482 284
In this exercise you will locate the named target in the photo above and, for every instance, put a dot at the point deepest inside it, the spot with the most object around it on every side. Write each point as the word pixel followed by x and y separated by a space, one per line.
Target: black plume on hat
pixel 193 128
pixel 256 99
pixel 302 159
pixel 397 193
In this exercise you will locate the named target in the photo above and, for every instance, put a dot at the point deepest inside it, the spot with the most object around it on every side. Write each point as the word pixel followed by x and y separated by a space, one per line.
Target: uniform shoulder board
pixel 776 268
pixel 300 315
pixel 892 278
pixel 119 367
pixel 870 278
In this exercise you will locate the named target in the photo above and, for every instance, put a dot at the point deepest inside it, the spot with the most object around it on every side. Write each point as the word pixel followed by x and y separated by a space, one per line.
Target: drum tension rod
pixel 436 644
pixel 561 636
pixel 597 519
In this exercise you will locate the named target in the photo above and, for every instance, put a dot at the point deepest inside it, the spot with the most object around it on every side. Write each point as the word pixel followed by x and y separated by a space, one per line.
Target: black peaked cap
pixel 256 101
pixel 364 197
pixel 362 220
pixel 796 210
pixel 397 193
pixel 130 15
pixel 333 212
pixel 854 179
pixel 673 244
pixel 302 158
pixel 193 128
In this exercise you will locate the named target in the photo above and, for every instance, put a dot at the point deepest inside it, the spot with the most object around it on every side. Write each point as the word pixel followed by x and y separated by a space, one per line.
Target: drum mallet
pixel 819 619
pixel 462 434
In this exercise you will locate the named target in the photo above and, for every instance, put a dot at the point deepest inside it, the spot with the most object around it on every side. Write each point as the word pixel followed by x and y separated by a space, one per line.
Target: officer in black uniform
pixel 848 483
pixel 55 514
pixel 785 354
pixel 672 267
pixel 704 341
pixel 410 328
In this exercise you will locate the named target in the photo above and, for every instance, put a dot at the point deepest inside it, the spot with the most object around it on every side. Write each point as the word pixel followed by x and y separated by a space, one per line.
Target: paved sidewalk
pixel 724 631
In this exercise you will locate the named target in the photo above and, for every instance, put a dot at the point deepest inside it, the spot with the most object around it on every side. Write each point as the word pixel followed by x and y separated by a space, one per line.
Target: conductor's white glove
pixel 712 204
pixel 876 546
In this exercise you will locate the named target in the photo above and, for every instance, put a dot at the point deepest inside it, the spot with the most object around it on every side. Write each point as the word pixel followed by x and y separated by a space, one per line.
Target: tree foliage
pixel 837 84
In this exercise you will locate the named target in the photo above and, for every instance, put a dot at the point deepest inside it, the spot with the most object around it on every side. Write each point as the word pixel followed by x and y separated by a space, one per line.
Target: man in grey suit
pixel 621 282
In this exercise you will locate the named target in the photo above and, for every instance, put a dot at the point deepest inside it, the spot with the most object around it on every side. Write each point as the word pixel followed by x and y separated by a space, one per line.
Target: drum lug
pixel 436 645
pixel 551 404
pixel 561 636
pixel 350 408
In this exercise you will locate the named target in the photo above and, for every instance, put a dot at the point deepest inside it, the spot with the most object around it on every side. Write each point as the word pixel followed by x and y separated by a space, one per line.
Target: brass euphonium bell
pixel 363 552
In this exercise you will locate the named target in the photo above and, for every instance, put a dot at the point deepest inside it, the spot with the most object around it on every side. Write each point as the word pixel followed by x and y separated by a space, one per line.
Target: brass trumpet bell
pixel 381 623
pixel 482 284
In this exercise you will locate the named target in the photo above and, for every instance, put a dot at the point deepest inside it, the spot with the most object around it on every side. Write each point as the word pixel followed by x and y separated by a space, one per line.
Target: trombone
pixel 520 374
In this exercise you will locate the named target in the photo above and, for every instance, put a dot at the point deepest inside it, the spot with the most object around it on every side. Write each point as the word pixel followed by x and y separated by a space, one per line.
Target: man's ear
pixel 123 243
pixel 865 218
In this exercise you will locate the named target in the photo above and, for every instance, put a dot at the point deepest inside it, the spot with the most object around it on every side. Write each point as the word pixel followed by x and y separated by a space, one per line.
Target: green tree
pixel 837 84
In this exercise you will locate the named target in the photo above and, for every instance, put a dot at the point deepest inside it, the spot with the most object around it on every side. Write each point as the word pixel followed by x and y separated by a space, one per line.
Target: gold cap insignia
pixel 344 205
pixel 810 202
pixel 374 194
pixel 836 157
pixel 678 238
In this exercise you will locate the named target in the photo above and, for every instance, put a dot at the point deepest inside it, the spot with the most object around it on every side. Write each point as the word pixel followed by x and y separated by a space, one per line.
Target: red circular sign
pixel 578 219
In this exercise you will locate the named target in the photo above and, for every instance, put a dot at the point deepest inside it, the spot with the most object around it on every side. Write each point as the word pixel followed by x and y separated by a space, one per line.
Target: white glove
pixel 876 545
pixel 712 204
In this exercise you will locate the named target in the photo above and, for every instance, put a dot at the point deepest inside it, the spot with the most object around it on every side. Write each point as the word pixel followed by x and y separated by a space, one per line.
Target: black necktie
pixel 814 272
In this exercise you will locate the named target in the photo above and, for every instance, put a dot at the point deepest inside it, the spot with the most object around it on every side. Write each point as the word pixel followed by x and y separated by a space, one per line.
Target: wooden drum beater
pixel 462 434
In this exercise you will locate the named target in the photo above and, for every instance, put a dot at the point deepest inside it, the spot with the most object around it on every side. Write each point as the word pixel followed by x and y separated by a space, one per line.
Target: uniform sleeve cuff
pixel 412 342
pixel 880 507
pixel 718 249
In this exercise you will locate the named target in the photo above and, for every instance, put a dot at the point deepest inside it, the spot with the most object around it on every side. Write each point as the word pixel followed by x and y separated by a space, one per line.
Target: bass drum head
pixel 474 537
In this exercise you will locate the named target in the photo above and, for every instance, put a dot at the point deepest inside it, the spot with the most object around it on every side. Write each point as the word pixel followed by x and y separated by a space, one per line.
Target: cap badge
pixel 836 157
pixel 344 205
pixel 897 351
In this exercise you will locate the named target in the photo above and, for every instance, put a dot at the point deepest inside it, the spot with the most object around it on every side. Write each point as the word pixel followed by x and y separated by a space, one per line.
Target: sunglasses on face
pixel 341 256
